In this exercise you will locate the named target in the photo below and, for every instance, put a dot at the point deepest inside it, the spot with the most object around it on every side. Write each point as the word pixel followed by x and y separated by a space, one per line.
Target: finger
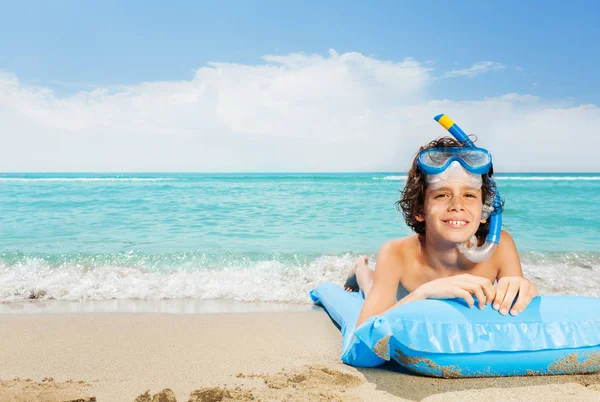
pixel 529 292
pixel 489 291
pixel 485 285
pixel 501 289
pixel 523 300
pixel 534 290
pixel 463 294
pixel 509 297
pixel 477 290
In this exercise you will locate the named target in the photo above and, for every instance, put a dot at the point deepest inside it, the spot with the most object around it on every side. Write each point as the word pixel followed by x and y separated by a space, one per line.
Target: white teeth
pixel 457 223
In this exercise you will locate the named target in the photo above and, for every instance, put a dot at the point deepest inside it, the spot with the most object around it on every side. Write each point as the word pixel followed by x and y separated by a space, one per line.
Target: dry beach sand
pixel 267 356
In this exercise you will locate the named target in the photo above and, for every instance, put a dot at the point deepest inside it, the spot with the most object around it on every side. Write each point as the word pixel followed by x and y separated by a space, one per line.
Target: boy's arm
pixel 385 282
pixel 510 280
pixel 388 274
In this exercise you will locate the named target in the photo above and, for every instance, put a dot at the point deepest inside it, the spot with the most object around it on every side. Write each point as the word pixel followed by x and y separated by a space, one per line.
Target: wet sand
pixel 260 355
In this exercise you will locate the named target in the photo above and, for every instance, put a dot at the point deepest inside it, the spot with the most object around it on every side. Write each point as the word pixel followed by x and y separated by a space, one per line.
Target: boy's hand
pixel 507 288
pixel 461 286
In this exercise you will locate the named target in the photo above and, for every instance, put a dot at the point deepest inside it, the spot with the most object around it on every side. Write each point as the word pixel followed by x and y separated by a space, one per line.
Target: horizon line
pixel 276 172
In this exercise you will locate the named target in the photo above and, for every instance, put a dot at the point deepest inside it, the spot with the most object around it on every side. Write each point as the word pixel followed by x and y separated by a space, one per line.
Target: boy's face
pixel 452 212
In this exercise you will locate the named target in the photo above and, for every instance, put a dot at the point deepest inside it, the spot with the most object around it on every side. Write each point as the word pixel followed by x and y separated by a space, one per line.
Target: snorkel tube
pixel 475 253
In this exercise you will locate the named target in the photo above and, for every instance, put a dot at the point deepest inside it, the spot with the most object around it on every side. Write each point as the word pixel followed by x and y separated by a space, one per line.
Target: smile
pixel 456 223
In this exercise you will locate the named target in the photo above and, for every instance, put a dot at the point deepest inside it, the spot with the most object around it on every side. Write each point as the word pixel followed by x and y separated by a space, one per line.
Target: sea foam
pixel 241 278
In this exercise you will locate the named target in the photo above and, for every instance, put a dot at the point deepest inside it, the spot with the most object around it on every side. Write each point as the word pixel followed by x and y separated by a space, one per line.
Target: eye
pixel 441 195
pixel 471 195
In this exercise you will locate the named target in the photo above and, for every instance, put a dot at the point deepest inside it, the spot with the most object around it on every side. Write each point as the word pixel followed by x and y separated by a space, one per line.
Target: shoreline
pixel 264 355
pixel 148 306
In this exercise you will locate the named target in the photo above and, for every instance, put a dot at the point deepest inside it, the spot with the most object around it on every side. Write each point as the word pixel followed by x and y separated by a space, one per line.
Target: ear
pixel 483 221
pixel 420 218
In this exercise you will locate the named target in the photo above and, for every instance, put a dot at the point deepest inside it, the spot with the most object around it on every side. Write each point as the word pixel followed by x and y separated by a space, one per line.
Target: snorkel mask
pixel 466 165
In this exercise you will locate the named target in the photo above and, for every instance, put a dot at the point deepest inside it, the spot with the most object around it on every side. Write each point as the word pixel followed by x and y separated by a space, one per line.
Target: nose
pixel 456 204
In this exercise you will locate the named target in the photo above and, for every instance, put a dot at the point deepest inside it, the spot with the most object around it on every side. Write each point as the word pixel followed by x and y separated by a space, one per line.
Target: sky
pixel 296 86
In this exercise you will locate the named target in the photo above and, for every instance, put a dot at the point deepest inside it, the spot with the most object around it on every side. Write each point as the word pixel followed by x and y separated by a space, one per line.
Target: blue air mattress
pixel 445 338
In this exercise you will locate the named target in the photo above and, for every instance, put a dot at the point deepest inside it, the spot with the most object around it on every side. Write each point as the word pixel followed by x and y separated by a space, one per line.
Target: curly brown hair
pixel 413 196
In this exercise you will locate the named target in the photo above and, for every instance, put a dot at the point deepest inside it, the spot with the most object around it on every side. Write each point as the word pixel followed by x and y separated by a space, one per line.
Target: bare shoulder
pixel 506 257
pixel 399 247
pixel 506 237
pixel 394 252
pixel 388 273
pixel 506 244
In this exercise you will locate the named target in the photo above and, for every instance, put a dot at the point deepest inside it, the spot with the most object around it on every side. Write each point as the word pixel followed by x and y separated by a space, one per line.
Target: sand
pixel 267 356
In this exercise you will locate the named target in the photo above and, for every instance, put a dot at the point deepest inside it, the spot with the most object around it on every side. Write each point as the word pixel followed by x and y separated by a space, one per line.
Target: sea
pixel 260 237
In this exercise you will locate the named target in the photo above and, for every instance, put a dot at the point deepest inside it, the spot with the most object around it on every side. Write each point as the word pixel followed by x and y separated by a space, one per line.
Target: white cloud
pixel 476 69
pixel 343 112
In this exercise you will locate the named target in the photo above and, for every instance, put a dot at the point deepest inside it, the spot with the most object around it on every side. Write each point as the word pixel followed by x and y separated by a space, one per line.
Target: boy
pixel 444 210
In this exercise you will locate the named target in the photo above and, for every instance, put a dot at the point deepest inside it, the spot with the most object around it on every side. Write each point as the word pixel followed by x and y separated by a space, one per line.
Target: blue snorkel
pixel 475 253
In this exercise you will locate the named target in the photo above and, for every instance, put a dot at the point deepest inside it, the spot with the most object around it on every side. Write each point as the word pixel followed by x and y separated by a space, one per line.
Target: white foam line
pixel 396 178
pixel 83 179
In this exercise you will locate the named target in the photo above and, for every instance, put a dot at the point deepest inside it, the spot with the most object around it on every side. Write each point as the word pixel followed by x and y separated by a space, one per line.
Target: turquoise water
pixel 255 237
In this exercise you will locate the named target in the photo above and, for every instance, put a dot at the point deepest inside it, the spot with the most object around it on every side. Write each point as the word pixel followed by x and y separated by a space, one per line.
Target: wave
pixel 242 277
pixel 275 176
pixel 395 178
pixel 85 179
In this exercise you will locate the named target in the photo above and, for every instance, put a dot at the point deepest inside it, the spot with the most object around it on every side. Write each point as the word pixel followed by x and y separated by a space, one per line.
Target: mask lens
pixel 438 157
pixel 435 157
pixel 476 158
